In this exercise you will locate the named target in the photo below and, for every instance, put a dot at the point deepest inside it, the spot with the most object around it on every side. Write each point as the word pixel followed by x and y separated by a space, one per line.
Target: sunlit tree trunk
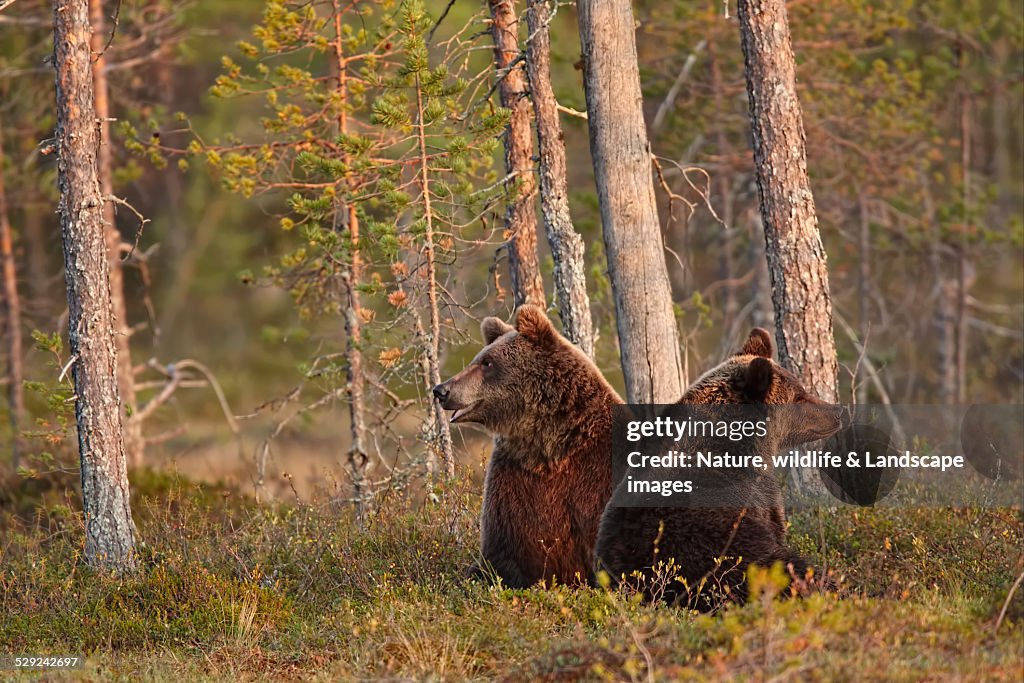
pixel 621 153
pixel 565 243
pixel 11 308
pixel 796 257
pixel 521 214
pixel 351 277
pixel 109 530
pixel 134 444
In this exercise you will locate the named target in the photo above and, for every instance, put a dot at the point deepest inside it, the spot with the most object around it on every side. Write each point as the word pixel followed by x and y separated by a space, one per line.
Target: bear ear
pixel 759 343
pixel 532 323
pixel 492 328
pixel 757 380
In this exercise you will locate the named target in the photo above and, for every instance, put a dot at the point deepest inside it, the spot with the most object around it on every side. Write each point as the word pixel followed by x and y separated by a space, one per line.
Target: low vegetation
pixel 229 588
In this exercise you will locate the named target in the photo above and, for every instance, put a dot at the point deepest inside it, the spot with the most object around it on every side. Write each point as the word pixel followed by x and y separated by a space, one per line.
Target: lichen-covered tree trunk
pixel 565 243
pixel 521 214
pixel 11 308
pixel 795 255
pixel 109 530
pixel 621 153
pixel 134 444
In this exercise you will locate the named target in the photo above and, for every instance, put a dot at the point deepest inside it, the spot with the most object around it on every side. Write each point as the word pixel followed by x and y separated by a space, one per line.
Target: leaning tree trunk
pixel 134 444
pixel 648 338
pixel 109 530
pixel 521 214
pixel 12 310
pixel 796 257
pixel 566 244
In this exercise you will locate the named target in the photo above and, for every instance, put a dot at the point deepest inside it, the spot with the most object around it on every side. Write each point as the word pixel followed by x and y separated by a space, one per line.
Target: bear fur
pixel 549 410
pixel 745 524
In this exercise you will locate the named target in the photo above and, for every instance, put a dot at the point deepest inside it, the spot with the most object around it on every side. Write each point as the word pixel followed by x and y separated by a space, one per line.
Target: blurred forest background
pixel 238 279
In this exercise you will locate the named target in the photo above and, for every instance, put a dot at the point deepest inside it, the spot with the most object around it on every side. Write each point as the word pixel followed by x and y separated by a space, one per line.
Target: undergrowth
pixel 231 589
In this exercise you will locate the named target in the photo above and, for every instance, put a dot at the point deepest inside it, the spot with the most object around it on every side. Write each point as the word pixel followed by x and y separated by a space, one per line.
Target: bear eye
pixel 487 363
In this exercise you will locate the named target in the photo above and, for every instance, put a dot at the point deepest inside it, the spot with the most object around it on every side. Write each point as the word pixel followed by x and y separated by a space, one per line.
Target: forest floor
pixel 289 590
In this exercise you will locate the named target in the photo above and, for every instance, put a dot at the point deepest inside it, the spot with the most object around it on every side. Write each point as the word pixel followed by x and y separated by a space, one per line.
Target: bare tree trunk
pixel 863 290
pixel 134 444
pixel 440 430
pixel 964 274
pixel 566 244
pixel 109 530
pixel 648 338
pixel 762 314
pixel 724 180
pixel 521 214
pixel 351 277
pixel 796 257
pixel 12 308
pixel 946 317
pixel 1001 125
pixel 40 302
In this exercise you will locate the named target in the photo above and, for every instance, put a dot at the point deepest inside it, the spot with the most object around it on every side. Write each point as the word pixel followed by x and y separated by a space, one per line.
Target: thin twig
pixel 1006 603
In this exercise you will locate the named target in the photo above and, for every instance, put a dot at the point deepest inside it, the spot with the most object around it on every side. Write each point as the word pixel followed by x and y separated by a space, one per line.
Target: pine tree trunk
pixel 12 310
pixel 521 214
pixel 566 244
pixel 351 277
pixel 134 444
pixel 109 530
pixel 621 153
pixel 796 257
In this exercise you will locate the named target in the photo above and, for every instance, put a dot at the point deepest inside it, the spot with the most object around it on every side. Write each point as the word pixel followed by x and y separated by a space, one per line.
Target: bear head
pixel 750 376
pixel 524 379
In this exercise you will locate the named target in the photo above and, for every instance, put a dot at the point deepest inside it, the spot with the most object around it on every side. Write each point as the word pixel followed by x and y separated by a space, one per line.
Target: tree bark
pixel 109 530
pixel 566 244
pixel 795 255
pixel 12 309
pixel 621 153
pixel 351 277
pixel 521 214
pixel 134 443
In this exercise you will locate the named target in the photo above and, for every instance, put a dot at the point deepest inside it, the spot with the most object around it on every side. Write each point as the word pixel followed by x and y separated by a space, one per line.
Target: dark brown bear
pixel 744 524
pixel 549 478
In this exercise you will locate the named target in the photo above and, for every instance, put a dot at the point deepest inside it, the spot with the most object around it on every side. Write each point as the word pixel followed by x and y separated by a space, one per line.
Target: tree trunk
pixel 109 530
pixel 440 430
pixel 351 277
pixel 621 153
pixel 863 290
pixel 724 180
pixel 521 214
pixel 12 309
pixel 964 272
pixel 796 257
pixel 134 444
pixel 566 244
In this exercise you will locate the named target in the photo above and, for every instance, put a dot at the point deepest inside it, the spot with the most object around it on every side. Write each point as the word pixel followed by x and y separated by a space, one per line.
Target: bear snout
pixel 441 392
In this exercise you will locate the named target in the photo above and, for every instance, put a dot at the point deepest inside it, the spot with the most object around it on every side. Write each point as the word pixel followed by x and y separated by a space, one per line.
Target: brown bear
pixel 699 554
pixel 549 477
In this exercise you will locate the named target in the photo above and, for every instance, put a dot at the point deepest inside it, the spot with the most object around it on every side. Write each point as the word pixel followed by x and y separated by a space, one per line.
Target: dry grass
pixel 296 591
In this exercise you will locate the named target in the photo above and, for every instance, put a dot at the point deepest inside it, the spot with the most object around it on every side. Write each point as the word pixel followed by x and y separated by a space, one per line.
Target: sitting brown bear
pixel 741 521
pixel 549 478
